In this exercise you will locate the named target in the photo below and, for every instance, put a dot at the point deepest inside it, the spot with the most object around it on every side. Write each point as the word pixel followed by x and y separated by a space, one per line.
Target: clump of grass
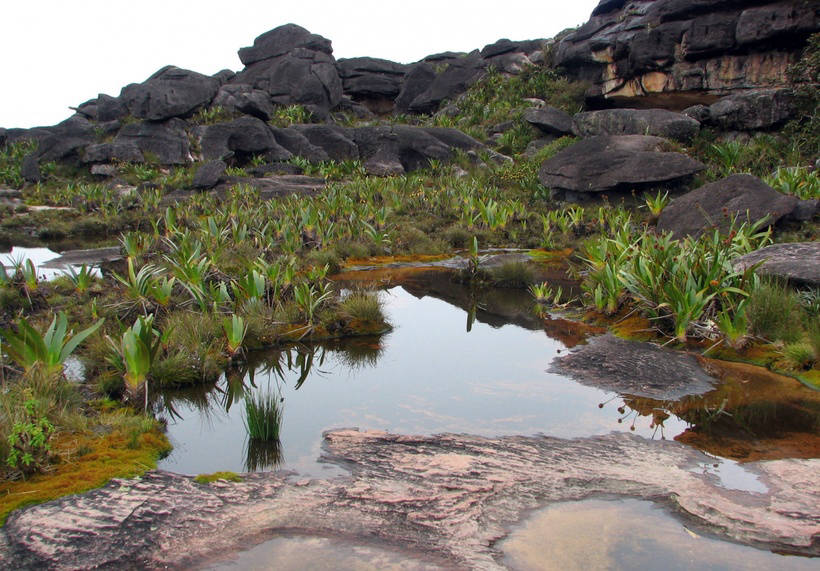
pixel 216 476
pixel 362 306
pixel 774 312
pixel 800 355
pixel 263 416
pixel 290 115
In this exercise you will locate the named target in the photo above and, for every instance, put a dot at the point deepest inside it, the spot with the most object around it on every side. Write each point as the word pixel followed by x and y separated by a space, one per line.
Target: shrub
pixel 774 312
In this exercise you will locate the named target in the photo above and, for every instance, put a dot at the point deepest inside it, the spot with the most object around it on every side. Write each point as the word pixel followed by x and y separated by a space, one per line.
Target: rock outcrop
pixel 623 162
pixel 675 53
pixel 293 66
pixel 797 262
pixel 448 496
pixel 657 122
pixel 170 92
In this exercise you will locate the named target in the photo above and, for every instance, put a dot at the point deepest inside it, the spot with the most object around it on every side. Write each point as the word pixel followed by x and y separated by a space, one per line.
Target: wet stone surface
pixel 451 496
pixel 635 368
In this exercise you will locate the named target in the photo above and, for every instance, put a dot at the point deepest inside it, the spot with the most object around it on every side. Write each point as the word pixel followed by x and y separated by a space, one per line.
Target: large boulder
pixel 115 151
pixel 334 140
pixel 282 40
pixel 64 141
pixel 752 110
pixel 676 53
pixel 740 196
pixel 166 141
pixel 209 174
pixel 657 122
pixel 244 136
pixel 549 120
pixel 797 262
pixel 104 108
pixel 298 144
pixel 294 67
pixel 243 98
pixel 419 78
pixel 390 150
pixel 456 76
pixel 623 162
pixel 170 92
pixel 366 77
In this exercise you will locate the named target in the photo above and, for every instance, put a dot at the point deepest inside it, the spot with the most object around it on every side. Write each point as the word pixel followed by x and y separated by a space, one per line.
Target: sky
pixel 60 53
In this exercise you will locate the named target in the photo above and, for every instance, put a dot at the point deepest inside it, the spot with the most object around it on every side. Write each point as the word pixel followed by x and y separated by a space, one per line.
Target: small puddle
pixel 299 553
pixel 41 257
pixel 626 534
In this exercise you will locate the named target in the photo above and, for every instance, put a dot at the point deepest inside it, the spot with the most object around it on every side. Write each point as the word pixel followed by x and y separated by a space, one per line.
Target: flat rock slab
pixel 635 368
pixel 450 496
pixel 712 206
pixel 90 257
pixel 657 122
pixel 798 262
pixel 605 163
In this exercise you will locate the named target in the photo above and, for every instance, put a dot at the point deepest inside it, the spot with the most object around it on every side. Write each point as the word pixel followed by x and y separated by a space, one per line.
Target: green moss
pixel 218 476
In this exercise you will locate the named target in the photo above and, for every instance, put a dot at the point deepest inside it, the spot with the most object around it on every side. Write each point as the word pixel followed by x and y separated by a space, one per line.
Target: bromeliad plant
pixel 681 284
pixel 135 353
pixel 29 348
pixel 235 328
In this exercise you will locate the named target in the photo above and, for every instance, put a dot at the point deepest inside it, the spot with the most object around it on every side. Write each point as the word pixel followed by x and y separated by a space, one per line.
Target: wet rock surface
pixel 452 496
pixel 797 262
pixel 635 368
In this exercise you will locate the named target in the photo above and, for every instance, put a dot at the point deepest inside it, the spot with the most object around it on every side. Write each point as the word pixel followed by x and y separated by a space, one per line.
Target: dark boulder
pixel 549 120
pixel 103 109
pixel 245 99
pixel 166 142
pixel 657 122
pixel 30 169
pixel 419 78
pixel 294 67
pixel 63 141
pixel 366 77
pixel 334 140
pixel 282 40
pixel 223 76
pixel 757 109
pixel 635 368
pixel 797 262
pixel 116 151
pixel 605 163
pixel 389 150
pixel 457 75
pixel 743 196
pixel 170 92
pixel 244 136
pixel 299 145
pixel 209 174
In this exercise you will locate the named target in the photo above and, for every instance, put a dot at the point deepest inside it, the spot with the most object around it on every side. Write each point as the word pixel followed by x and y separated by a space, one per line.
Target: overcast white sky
pixel 59 53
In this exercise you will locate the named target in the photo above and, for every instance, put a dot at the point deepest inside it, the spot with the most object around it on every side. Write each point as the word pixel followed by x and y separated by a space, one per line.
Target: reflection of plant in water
pixel 263 421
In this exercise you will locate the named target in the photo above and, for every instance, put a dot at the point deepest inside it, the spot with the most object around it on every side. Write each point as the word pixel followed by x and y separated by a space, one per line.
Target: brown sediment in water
pixel 570 333
pixel 754 414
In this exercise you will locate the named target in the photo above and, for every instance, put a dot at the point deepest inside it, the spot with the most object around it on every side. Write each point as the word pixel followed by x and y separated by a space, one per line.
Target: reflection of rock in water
pixel 752 414
pixel 635 368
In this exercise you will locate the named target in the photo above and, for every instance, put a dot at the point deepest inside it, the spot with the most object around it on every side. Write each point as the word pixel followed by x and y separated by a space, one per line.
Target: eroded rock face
pixel 712 206
pixel 798 262
pixel 453 496
pixel 606 163
pixel 166 141
pixel 675 53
